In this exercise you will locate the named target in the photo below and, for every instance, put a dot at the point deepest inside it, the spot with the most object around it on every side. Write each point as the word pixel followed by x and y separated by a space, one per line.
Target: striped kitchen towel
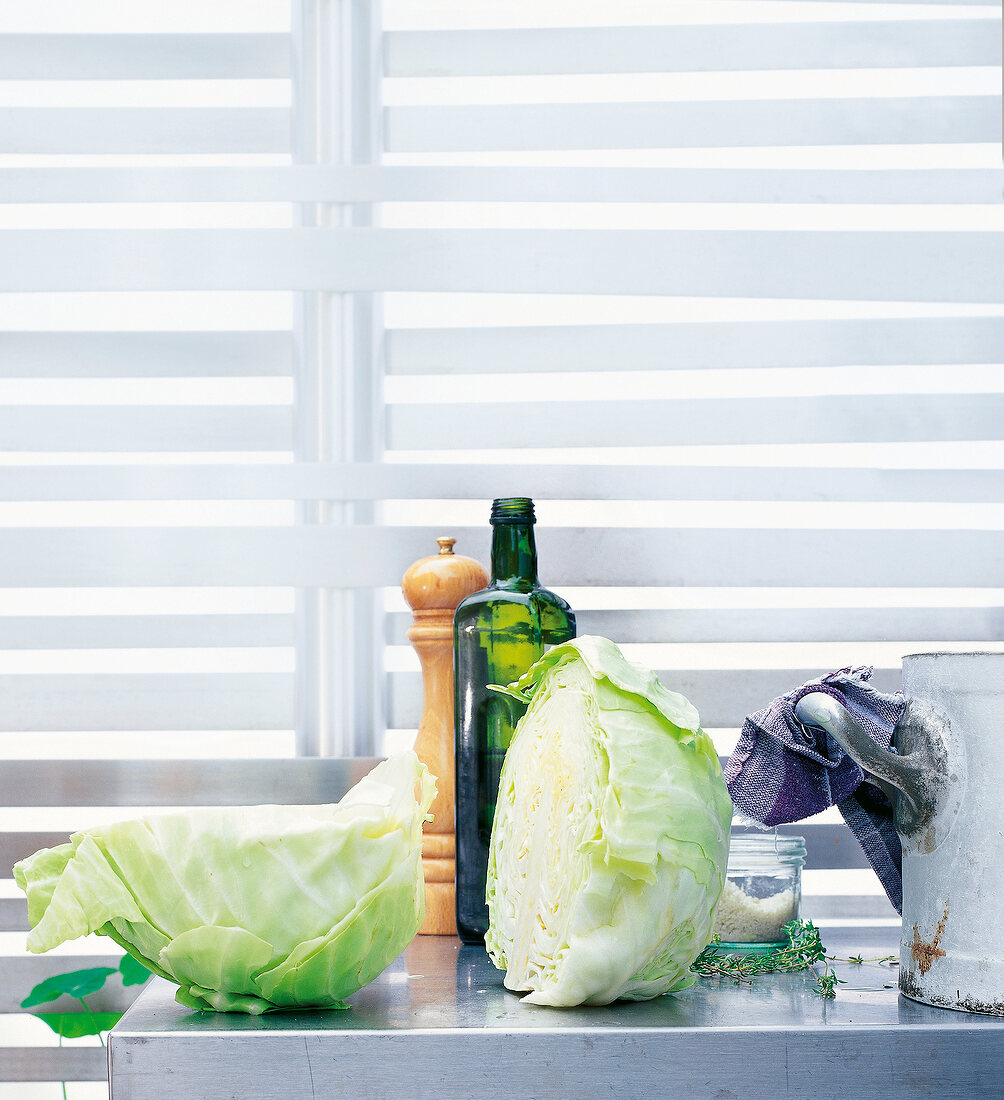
pixel 782 771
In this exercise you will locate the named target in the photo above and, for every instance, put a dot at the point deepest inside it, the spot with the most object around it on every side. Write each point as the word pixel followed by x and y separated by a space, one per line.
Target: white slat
pixel 55 56
pixel 226 481
pixel 45 1063
pixel 99 130
pixel 697 345
pixel 145 428
pixel 723 697
pixel 683 48
pixel 900 266
pixel 804 624
pixel 939 3
pixel 144 631
pixel 448 481
pixel 20 845
pixel 831 845
pixel 145 354
pixel 13 918
pixel 835 908
pixel 437 183
pixel 743 420
pixel 582 556
pixel 922 120
pixel 136 701
pixel 176 783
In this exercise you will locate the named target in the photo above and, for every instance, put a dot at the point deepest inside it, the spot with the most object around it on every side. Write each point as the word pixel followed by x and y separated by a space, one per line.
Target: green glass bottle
pixel 498 633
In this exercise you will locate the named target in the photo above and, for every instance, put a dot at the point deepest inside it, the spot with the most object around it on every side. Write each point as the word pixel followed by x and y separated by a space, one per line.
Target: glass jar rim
pixel 767 848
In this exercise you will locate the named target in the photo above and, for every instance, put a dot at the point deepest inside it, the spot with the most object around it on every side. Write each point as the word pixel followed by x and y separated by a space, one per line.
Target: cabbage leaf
pixel 611 833
pixel 249 909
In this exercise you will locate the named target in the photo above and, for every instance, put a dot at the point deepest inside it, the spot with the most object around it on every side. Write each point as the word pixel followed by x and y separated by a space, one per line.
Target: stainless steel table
pixel 439 1024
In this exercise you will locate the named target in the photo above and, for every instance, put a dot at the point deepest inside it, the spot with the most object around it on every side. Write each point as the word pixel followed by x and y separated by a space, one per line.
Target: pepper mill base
pixel 440 910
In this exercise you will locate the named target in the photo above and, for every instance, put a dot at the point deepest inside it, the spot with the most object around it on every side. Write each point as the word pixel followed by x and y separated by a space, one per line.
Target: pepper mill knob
pixel 433 587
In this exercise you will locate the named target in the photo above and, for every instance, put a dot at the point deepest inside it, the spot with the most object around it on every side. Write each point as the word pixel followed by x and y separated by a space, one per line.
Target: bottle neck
pixel 514 554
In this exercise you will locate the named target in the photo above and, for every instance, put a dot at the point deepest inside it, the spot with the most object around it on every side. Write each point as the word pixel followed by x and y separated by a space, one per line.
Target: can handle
pixel 912 781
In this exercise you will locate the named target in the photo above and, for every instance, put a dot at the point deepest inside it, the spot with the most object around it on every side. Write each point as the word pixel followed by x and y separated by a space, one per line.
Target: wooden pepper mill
pixel 433 587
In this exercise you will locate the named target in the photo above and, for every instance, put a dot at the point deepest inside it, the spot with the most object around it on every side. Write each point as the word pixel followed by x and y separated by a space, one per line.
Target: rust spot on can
pixel 929 841
pixel 925 953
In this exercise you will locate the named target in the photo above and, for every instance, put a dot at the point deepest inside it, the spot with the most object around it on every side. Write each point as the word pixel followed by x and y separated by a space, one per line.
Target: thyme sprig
pixel 804 948
pixel 827 982
pixel 858 960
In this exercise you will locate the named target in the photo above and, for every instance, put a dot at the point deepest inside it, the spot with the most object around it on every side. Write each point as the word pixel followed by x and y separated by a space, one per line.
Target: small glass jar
pixel 763 891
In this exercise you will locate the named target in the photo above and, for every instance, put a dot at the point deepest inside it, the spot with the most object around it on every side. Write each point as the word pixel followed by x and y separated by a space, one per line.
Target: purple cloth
pixel 782 771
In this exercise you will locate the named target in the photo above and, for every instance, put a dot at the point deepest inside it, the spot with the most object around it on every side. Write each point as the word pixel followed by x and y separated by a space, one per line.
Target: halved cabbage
pixel 611 833
pixel 252 908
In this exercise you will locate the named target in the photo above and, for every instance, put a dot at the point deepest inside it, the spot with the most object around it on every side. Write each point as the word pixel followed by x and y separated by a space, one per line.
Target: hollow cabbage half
pixel 254 908
pixel 611 833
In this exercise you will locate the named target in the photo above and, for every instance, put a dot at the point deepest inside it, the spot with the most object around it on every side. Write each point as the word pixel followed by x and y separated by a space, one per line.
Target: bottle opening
pixel 513 510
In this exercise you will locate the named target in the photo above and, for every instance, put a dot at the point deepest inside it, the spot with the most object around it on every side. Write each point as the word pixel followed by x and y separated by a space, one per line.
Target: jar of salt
pixel 762 893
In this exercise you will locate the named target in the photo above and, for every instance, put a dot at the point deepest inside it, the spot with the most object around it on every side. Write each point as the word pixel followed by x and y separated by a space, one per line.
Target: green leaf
pixel 75 1025
pixel 133 972
pixel 77 983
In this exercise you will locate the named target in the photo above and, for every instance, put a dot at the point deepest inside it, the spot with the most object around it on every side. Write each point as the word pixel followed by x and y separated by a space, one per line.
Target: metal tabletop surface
pixel 439 1023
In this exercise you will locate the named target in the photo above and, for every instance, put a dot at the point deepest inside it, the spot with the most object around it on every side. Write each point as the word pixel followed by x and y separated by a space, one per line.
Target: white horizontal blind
pixel 800 338
pixel 127 385
pixel 151 691
pixel 740 333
